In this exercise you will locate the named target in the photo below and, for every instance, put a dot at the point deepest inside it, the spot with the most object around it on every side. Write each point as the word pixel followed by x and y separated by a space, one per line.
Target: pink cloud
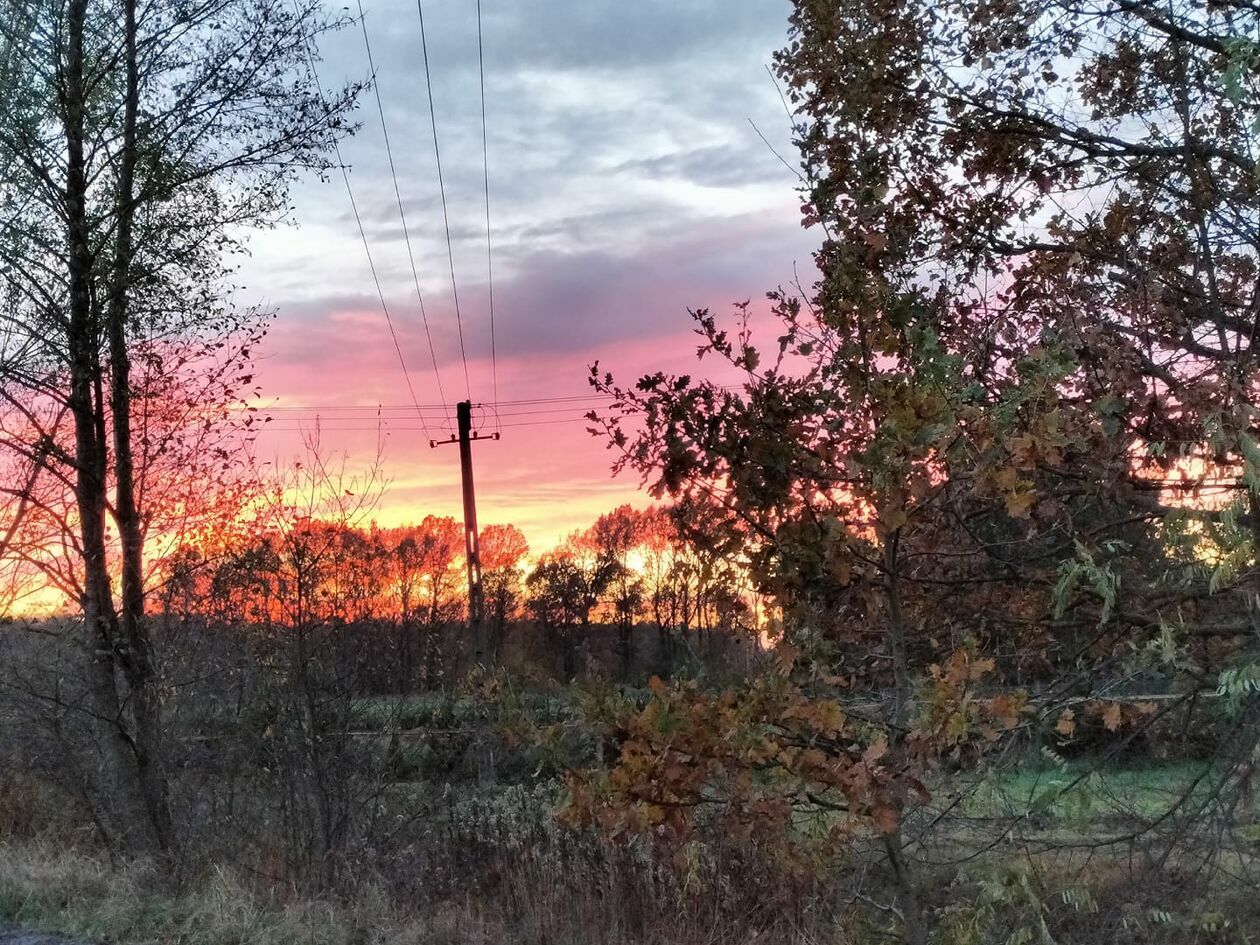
pixel 547 474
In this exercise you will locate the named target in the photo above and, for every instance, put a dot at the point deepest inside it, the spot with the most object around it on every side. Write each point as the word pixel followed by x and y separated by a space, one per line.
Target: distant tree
pixel 503 552
pixel 614 537
pixel 565 587
pixel 685 586
pixel 666 598
pixel 439 551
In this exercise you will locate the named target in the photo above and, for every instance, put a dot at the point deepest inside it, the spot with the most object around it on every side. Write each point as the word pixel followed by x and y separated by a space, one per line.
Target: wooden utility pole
pixel 472 542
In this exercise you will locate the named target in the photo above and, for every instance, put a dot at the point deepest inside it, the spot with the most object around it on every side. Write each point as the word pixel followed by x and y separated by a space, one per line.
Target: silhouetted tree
pixel 503 552
pixel 614 536
pixel 139 143
pixel 565 587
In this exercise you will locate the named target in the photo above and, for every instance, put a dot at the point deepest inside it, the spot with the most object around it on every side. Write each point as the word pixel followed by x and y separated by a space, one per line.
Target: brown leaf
pixel 1005 709
pixel 1067 723
pixel 980 668
pixel 884 819
pixel 876 241
pixel 786 655
pixel 1007 478
pixel 1018 503
pixel 876 750
pixel 892 517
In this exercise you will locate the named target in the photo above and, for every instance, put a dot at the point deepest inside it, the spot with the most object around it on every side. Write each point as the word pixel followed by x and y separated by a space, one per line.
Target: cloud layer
pixel 627 185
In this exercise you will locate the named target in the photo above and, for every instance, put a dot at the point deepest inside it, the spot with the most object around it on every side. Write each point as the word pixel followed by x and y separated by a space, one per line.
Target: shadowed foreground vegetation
pixel 445 816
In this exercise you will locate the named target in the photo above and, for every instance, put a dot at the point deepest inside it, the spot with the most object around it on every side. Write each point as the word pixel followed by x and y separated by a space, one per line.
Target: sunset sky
pixel 627 185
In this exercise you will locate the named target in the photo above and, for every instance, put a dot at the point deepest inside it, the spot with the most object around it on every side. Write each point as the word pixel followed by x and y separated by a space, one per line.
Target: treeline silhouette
pixel 626 598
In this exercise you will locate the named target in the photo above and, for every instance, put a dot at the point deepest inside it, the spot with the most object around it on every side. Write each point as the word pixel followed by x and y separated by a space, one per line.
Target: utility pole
pixel 472 542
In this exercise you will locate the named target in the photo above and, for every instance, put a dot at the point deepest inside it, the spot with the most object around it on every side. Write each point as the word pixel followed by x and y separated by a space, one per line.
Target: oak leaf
pixel 1066 725
pixel 1018 503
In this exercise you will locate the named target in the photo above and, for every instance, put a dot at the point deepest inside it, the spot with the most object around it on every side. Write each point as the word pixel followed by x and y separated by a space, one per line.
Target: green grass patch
pixel 1081 792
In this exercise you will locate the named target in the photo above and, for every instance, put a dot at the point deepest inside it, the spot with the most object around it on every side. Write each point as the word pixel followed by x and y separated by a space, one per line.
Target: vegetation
pixel 943 629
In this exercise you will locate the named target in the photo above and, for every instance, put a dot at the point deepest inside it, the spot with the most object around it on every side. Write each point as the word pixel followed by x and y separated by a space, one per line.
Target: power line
pixel 404 413
pixel 485 169
pixel 593 398
pixel 322 418
pixel 354 207
pixel 393 173
pixel 403 428
pixel 401 424
pixel 446 219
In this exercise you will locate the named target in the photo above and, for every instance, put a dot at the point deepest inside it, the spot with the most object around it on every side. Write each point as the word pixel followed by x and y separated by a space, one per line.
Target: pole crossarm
pixel 454 438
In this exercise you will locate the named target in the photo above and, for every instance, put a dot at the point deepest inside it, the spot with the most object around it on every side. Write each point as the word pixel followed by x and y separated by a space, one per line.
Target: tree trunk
pixel 916 932
pixel 896 635
pixel 114 786
pixel 136 649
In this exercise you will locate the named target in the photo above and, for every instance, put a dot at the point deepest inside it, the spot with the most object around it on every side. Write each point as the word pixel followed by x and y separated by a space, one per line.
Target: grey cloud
pixel 595 111
pixel 713 166
pixel 578 301
pixel 577 33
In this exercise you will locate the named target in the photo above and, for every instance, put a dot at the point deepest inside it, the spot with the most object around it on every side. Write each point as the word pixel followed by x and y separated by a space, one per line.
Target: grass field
pixel 1081 792
pixel 466 849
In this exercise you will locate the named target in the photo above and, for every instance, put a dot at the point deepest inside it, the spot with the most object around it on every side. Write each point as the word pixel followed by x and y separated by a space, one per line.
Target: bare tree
pixel 141 140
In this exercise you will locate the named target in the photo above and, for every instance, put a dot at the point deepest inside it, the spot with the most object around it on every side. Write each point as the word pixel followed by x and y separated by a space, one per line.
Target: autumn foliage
pixel 998 460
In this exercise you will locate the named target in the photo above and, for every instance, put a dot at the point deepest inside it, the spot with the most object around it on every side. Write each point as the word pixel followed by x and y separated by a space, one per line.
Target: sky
pixel 627 185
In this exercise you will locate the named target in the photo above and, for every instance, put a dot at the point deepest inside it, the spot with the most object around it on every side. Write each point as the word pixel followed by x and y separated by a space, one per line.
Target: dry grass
pixel 540 889
pixel 525 898
pixel 84 895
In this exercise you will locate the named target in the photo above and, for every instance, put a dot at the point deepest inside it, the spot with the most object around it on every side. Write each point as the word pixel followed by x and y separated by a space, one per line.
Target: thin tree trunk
pixel 907 893
pixel 114 787
pixel 136 648
pixel 912 921
pixel 896 634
